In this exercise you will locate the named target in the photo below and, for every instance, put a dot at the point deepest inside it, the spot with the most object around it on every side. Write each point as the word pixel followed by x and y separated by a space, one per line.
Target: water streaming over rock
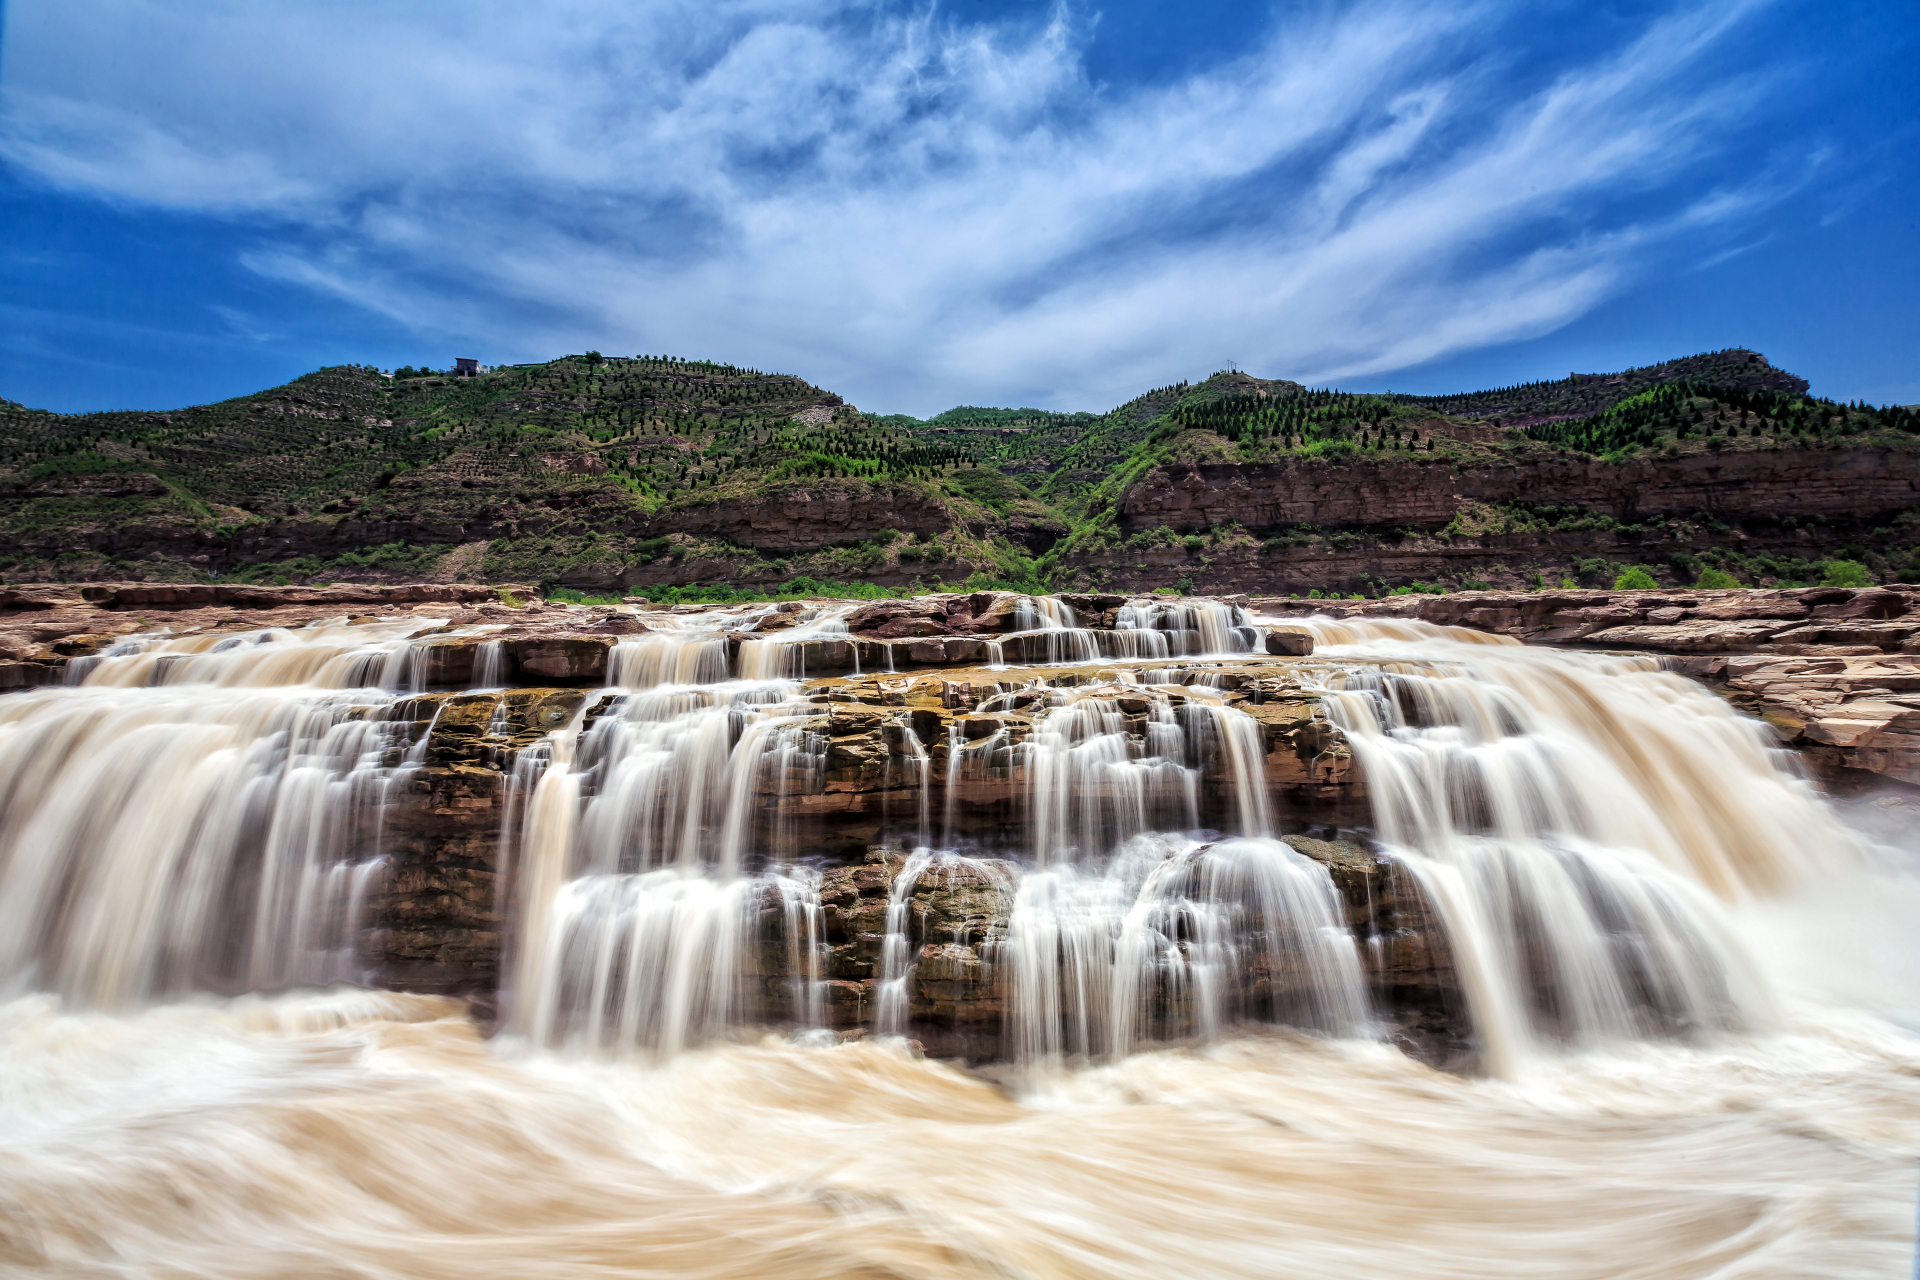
pixel 1583 825
pixel 1610 852
pixel 202 813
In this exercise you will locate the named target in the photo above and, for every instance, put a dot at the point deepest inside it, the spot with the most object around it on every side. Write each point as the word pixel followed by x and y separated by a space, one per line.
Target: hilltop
pixel 606 475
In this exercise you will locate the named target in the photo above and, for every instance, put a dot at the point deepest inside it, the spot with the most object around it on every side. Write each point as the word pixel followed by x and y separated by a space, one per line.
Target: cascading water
pixel 1600 839
pixel 635 896
pixel 1584 827
pixel 213 832
pixel 1125 928
pixel 490 664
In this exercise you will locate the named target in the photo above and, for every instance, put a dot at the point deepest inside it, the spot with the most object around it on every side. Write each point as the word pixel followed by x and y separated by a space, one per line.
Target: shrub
pixel 1635 579
pixel 1846 573
pixel 1192 544
pixel 1715 579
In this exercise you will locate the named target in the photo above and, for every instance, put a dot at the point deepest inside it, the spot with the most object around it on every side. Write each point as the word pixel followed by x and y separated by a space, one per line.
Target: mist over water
pixel 1694 991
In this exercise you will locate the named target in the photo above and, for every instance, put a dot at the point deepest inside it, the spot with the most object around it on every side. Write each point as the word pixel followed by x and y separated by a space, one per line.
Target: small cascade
pixel 650 959
pixel 905 746
pixel 1227 743
pixel 671 658
pixel 1046 630
pixel 1173 938
pixel 891 1010
pixel 1188 628
pixel 634 886
pixel 784 656
pixel 490 665
pixel 325 655
pixel 908 926
pixel 1092 784
pixel 803 926
pixel 404 670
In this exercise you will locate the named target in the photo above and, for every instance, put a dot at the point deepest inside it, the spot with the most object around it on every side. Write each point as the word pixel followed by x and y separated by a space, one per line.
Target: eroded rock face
pixel 1422 493
pixel 1844 712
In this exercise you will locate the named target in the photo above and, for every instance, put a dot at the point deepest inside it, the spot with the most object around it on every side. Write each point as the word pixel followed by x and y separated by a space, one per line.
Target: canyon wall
pixel 1849 484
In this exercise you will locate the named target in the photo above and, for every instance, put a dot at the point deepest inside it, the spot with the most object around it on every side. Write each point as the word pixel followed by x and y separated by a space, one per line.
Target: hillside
pixel 608 475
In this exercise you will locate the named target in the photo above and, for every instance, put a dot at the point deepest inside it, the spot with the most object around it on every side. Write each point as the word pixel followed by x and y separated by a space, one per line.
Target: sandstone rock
pixel 1700 636
pixel 1865 604
pixel 1296 644
pixel 1769 605
pixel 1888 634
pixel 566 659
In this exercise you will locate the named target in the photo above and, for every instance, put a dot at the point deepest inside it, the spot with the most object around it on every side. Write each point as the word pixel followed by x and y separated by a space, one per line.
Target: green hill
pixel 610 474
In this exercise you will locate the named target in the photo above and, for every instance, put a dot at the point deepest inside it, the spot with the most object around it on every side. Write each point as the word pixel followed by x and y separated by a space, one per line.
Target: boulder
pixel 1865 604
pixel 565 659
pixel 1297 644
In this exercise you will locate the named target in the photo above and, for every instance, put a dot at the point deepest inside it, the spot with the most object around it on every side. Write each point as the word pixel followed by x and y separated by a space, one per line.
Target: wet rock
pixel 1297 644
pixel 567 659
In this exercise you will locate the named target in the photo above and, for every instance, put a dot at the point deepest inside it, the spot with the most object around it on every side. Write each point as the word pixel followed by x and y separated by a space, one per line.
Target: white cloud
pixel 909 209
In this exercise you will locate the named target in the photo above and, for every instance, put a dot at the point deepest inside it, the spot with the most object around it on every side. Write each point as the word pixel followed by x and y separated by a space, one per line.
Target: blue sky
pixel 970 202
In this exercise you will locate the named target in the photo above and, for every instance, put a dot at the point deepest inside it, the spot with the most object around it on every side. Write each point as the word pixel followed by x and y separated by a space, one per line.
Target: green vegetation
pixel 1635 579
pixel 1846 573
pixel 575 472
pixel 1676 414
pixel 1712 579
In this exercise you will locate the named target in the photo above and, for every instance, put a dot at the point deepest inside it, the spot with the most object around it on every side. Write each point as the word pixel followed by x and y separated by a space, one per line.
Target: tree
pixel 1715 580
pixel 594 357
pixel 1635 579
pixel 1846 573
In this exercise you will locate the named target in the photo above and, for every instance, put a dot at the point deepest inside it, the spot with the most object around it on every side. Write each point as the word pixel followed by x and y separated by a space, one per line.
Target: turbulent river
pixel 1693 991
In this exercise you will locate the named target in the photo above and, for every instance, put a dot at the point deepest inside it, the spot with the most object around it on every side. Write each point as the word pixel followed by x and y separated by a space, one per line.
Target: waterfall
pixel 209 811
pixel 1581 826
pixel 490 664
pixel 637 897
pixel 188 838
pixel 1175 938
pixel 891 1010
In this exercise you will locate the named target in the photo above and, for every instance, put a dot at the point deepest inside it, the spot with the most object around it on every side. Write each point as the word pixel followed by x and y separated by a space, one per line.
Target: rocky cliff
pixel 1846 485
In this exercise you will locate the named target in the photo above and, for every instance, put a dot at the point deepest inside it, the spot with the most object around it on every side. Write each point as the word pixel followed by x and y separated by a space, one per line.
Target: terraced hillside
pixel 583 471
pixel 607 475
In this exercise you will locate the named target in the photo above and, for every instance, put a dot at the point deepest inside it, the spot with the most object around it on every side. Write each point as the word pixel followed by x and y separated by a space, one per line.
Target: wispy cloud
pixel 909 208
